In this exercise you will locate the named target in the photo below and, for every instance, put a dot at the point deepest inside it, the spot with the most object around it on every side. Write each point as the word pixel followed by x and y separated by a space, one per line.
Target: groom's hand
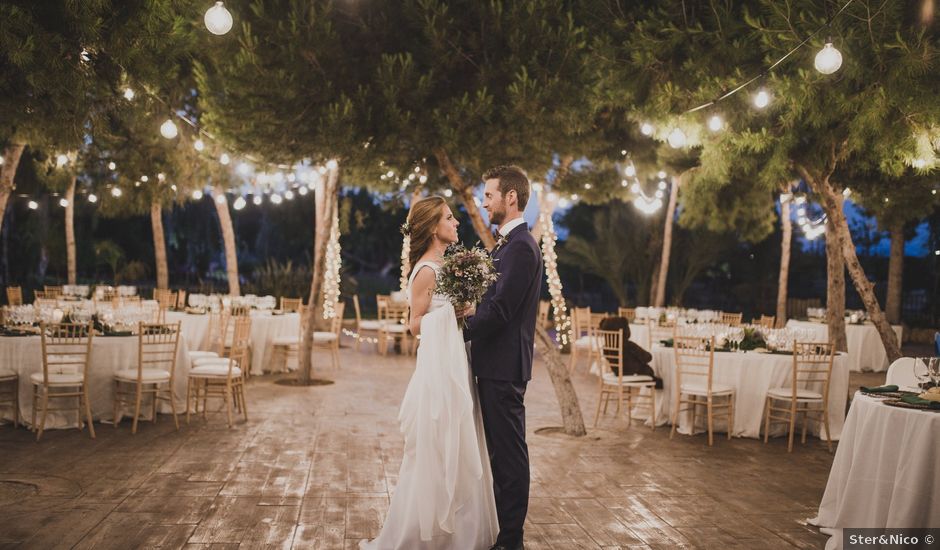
pixel 466 311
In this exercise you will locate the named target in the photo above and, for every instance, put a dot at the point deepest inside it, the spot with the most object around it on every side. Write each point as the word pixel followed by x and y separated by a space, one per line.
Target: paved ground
pixel 314 467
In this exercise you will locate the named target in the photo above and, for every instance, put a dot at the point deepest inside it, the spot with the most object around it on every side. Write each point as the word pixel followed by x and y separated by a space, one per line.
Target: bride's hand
pixel 466 311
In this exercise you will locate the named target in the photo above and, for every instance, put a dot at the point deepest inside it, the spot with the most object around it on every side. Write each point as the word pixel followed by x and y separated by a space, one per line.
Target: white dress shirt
pixel 509 226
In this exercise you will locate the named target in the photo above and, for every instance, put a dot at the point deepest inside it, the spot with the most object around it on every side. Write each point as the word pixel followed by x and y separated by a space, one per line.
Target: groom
pixel 501 335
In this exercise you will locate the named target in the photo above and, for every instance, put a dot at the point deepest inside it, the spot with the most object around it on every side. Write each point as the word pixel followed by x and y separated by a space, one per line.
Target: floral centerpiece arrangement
pixel 465 275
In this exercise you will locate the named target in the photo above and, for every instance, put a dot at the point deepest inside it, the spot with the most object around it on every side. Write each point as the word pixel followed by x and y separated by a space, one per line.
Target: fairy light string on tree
pixel 331 275
pixel 550 258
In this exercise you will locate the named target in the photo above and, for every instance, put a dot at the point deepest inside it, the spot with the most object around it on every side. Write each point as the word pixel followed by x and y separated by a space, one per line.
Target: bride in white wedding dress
pixel 444 497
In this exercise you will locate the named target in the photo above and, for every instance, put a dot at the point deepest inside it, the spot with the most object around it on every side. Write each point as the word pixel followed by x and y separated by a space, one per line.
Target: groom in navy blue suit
pixel 502 334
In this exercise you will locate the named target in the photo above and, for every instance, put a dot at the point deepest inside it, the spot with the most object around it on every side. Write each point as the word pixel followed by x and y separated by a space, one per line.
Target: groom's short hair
pixel 511 178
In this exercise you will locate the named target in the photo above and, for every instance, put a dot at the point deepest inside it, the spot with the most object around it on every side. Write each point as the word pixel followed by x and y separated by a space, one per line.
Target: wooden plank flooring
pixel 315 468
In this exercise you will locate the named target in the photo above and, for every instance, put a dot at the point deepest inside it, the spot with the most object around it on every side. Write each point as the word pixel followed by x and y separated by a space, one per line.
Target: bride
pixel 444 497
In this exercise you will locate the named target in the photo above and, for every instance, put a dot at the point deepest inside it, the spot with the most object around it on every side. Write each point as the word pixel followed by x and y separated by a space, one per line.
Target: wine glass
pixel 922 371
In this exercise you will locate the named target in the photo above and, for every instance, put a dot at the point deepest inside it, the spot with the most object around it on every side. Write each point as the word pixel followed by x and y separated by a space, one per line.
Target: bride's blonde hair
pixel 424 216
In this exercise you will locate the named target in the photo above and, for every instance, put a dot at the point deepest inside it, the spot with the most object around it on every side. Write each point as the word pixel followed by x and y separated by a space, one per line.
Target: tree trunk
pixel 835 288
pixel 784 277
pixel 159 245
pixel 895 274
pixel 464 191
pixel 70 232
pixel 667 245
pixel 571 417
pixel 864 287
pixel 11 159
pixel 325 194
pixel 228 238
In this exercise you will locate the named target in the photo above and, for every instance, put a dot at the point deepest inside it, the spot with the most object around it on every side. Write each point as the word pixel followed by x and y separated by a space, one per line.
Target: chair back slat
pixel 628 313
pixel 66 348
pixel 580 321
pixel 767 321
pixel 659 332
pixel 610 343
pixel 14 296
pixel 158 344
pixel 291 304
pixel 733 319
pixel 812 366
pixel 695 357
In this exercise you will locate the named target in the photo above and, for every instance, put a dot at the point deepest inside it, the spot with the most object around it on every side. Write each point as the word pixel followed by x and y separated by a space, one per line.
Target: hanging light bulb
pixel 168 129
pixel 112 165
pixel 93 198
pixel 61 160
pixel 197 194
pixel 239 203
pixel 144 179
pixel 225 159
pixel 661 174
pixel 220 198
pixel 662 185
pixel 243 168
pixel 116 192
pixel 257 200
pixel 676 138
pixel 715 123
pixel 63 202
pixel 630 171
pixel 302 190
pixel 448 193
pixel 646 129
pixel 659 194
pixel 199 145
pixel 289 195
pixel 218 19
pixel 829 59
pixel 32 205
pixel 276 199
pixel 331 164
pixel 128 94
pixel 422 178
pixel 762 99
pixel 624 183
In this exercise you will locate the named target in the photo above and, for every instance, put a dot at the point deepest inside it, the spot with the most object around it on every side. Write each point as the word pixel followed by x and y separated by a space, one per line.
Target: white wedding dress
pixel 444 497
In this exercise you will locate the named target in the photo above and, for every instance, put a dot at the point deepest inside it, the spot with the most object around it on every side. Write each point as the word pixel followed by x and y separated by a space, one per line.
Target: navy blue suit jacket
pixel 502 331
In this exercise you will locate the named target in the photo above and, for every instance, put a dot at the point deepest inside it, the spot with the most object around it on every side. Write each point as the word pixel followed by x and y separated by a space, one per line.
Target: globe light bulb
pixel 659 194
pixel 676 138
pixel 662 185
pixel 257 200
pixel 32 205
pixel 661 175
pixel 302 190
pixel 112 165
pixel 762 99
pixel 828 60
pixel 630 171
pixel 61 160
pixel 197 194
pixel 276 199
pixel 332 164
pixel 199 145
pixel 128 94
pixel 93 198
pixel 715 123
pixel 289 195
pixel 218 19
pixel 225 159
pixel 116 192
pixel 243 168
pixel 144 179
pixel 239 203
pixel 63 202
pixel 624 183
pixel 448 193
pixel 168 129
pixel 646 129
pixel 635 188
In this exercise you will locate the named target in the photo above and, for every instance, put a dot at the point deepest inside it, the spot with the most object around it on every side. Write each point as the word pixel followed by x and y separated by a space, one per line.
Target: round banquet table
pixel 885 473
pixel 751 374
pixel 109 354
pixel 865 350
pixel 265 327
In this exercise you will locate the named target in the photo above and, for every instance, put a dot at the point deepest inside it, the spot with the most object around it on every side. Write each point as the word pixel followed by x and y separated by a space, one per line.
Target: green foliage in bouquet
pixel 466 274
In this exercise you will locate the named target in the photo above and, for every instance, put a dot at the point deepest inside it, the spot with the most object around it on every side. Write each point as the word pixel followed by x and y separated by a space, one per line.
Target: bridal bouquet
pixel 465 275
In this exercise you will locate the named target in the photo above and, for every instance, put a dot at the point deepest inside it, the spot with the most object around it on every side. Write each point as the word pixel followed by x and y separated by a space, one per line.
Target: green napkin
pixel 880 389
pixel 914 400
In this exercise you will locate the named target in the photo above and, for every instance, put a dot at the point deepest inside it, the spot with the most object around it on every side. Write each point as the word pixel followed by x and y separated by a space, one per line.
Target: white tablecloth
pixel 752 374
pixel 109 354
pixel 265 327
pixel 640 335
pixel 885 472
pixel 866 352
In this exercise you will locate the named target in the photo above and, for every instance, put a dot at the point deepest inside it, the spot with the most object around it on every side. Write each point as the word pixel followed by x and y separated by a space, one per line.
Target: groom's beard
pixel 497 217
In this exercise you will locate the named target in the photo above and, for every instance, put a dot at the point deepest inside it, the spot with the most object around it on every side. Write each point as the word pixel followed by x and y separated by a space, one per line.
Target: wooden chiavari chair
pixel 581 338
pixel 10 393
pixel 365 328
pixel 330 339
pixel 215 342
pixel 732 319
pixel 222 377
pixel 613 381
pixel 808 392
pixel 393 329
pixel 695 366
pixel 53 291
pixel 165 297
pixel 628 313
pixel 767 321
pixel 156 362
pixel 14 296
pixel 292 305
pixel 659 332
pixel 181 299
pixel 65 351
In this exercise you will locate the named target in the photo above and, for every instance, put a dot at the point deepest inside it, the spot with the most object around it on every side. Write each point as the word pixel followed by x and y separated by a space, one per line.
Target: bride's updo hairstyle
pixel 422 220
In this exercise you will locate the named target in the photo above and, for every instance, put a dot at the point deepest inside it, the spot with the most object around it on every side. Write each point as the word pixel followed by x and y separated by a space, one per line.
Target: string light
pixel 257 200
pixel 218 20
pixel 828 60
pixel 405 262
pixel 112 165
pixel 128 94
pixel 761 99
pixel 168 129
pixel 331 274
pixel 549 256
pixel 197 194
pixel 676 138
pixel 116 192
pixel 646 129
pixel 715 124
pixel 630 170
pixel 144 179
pixel 239 203
pixel 276 199
pixel 61 160
pixel 302 190
pixel 448 193
pixel 225 159
pixel 289 195
pixel 93 198
pixel 199 145
pixel 220 198
pixel 32 205
pixel 63 202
